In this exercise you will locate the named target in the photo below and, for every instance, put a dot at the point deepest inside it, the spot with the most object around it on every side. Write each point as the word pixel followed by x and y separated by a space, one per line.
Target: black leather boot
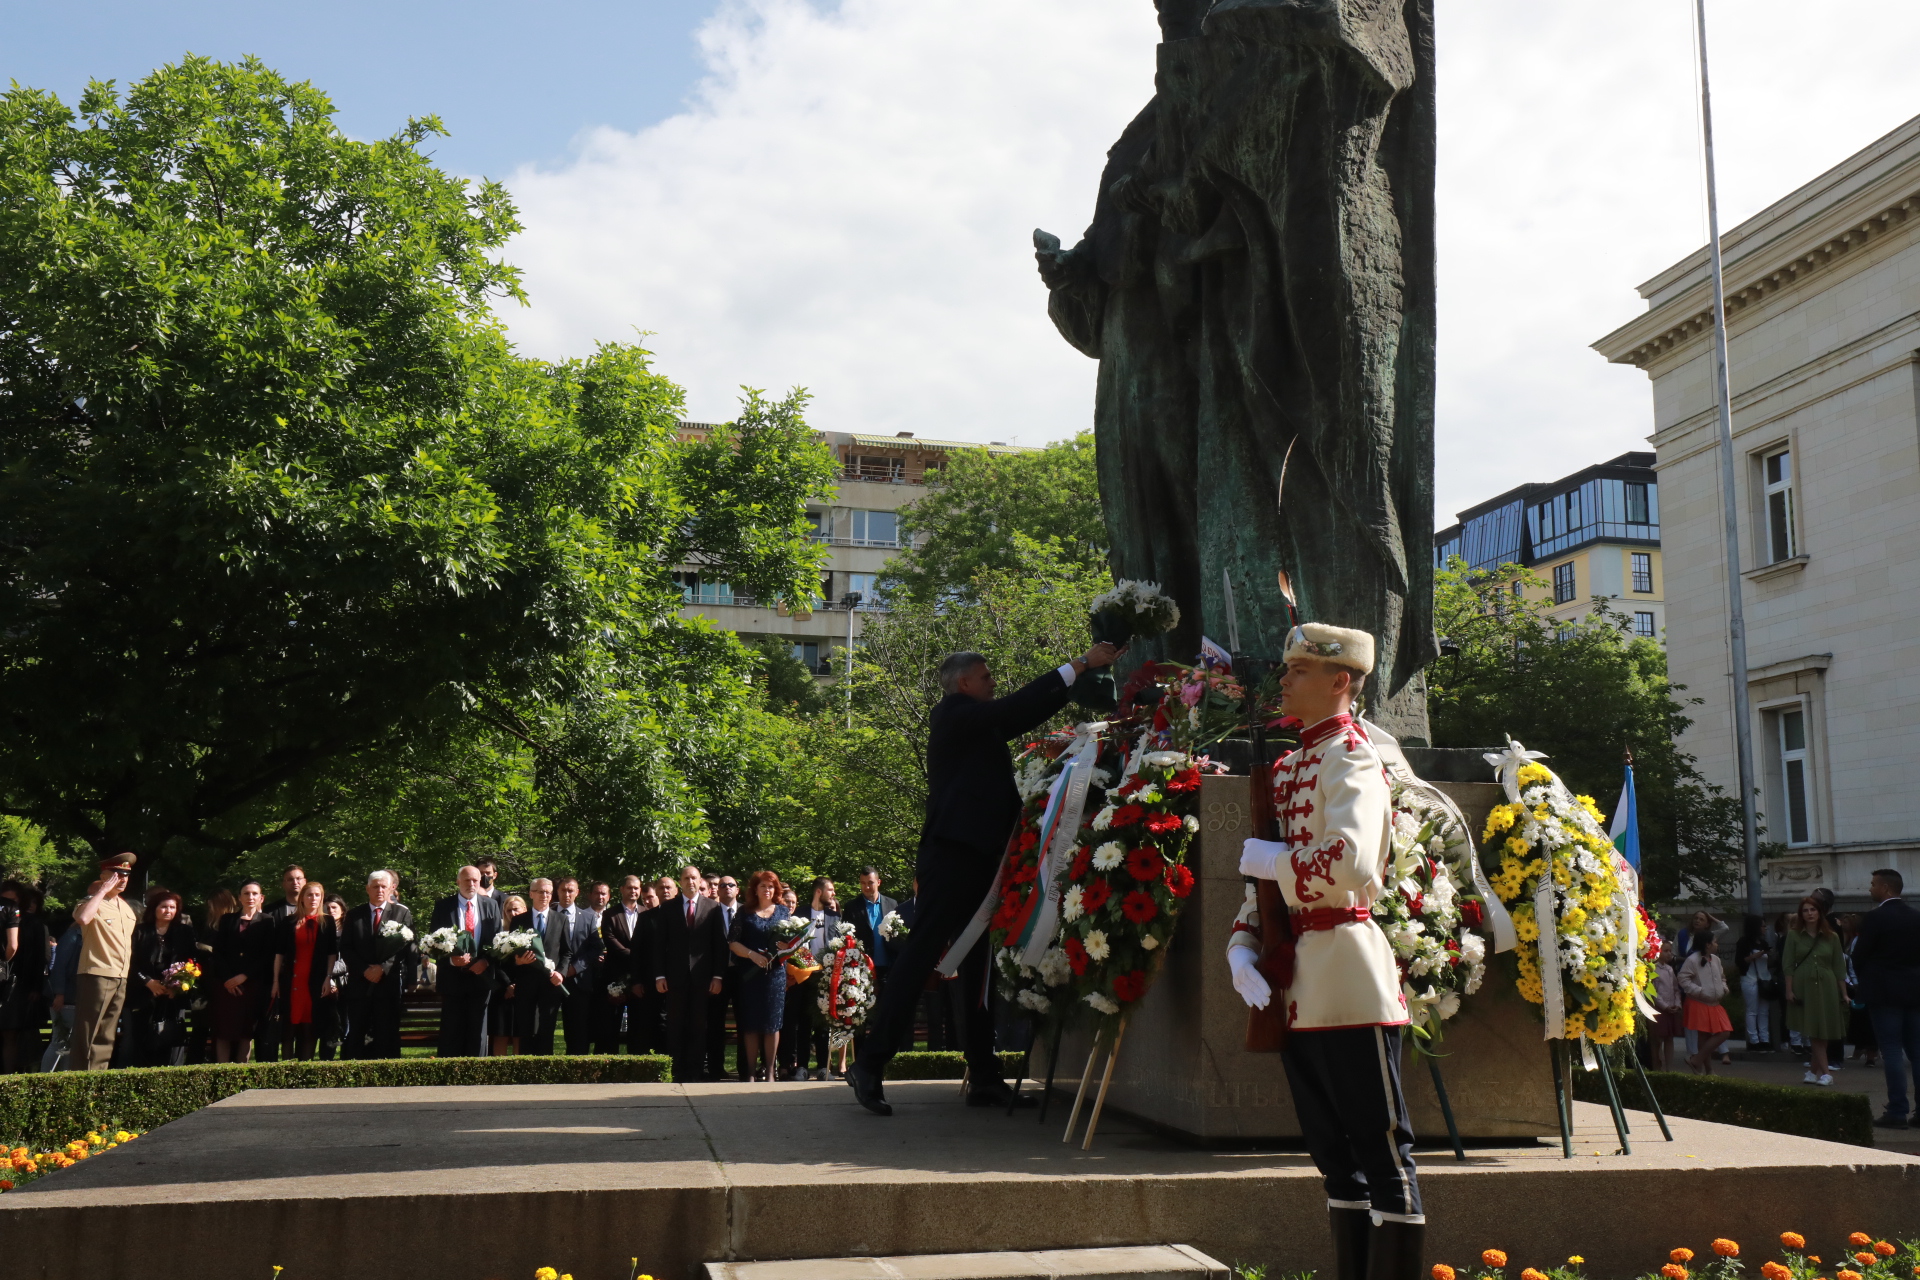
pixel 1352 1229
pixel 1394 1251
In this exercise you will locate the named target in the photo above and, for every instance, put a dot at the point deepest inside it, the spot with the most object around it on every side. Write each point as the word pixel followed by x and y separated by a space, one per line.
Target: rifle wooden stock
pixel 1267 1028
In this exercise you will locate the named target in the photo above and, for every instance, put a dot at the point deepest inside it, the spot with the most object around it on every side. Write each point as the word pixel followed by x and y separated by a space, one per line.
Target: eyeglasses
pixel 729 884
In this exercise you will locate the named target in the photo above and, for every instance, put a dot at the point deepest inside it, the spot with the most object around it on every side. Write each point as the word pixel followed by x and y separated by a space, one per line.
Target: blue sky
pixel 514 83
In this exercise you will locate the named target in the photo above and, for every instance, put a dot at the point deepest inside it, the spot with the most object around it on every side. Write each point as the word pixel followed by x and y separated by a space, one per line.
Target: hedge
pixel 43 1110
pixel 1805 1112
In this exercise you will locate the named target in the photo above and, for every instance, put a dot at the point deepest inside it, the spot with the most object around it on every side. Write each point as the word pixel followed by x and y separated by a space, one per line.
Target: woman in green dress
pixel 1814 963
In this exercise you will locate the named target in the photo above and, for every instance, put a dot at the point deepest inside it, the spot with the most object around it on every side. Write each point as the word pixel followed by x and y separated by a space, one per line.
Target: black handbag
pixel 1770 988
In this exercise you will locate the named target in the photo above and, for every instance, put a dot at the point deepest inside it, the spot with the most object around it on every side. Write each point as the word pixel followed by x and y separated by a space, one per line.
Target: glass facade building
pixel 1617 501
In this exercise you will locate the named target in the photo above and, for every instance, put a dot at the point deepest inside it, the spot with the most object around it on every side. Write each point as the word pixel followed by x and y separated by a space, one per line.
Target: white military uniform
pixel 1333 796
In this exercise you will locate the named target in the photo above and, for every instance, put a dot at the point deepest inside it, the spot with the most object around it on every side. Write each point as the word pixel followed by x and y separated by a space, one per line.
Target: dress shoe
pixel 997 1094
pixel 1888 1120
pixel 1394 1251
pixel 867 1091
pixel 1352 1228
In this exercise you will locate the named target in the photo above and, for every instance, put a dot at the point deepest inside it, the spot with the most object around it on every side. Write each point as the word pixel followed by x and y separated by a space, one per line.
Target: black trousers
pixel 373 1020
pixel 954 878
pixel 581 1011
pixel 687 1029
pixel 717 1007
pixel 647 1023
pixel 1346 1092
pixel 606 1017
pixel 463 1012
pixel 534 1014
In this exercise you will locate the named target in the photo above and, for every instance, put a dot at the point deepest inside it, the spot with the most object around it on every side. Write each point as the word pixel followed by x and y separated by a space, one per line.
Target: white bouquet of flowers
pixel 443 944
pixel 393 938
pixel 616 991
pixel 508 945
pixel 893 928
pixel 1131 609
pixel 790 936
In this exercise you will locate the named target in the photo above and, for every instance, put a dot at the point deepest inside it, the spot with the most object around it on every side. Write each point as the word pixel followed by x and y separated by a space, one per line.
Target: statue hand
pixel 1057 265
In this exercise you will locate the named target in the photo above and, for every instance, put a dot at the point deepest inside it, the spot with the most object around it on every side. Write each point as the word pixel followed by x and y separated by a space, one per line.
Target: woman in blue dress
pixel 762 986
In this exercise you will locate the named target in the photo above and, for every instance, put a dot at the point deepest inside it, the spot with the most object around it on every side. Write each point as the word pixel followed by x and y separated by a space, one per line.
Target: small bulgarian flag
pixel 1626 824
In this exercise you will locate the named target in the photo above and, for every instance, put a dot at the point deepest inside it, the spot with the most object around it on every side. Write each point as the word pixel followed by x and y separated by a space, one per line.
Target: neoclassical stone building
pixel 1823 314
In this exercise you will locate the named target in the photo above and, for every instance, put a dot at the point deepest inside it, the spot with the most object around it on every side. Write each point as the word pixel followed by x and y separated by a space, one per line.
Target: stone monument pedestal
pixel 1183 1068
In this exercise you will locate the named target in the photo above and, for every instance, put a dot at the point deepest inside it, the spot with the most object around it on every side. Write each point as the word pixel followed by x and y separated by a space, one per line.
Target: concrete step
pixel 1137 1262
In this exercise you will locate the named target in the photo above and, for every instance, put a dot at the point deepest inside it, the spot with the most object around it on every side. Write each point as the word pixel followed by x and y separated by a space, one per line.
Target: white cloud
pixel 849 203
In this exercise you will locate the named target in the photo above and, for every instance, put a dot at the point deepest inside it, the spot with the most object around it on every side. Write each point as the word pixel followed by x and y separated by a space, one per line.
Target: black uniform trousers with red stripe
pixel 1353 1115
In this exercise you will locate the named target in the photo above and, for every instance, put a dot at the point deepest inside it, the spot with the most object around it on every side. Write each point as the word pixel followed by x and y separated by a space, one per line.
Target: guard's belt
pixel 1327 917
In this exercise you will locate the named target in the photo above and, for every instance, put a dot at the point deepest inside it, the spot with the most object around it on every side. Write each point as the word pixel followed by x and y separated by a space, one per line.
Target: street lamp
pixel 850 602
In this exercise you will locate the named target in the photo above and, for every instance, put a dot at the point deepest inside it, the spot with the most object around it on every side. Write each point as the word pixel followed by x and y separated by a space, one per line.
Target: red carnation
pixel 1081 861
pixel 1146 864
pixel 1009 908
pixel 1184 781
pixel 1094 896
pixel 1076 956
pixel 1128 987
pixel 1128 814
pixel 1470 913
pixel 1139 906
pixel 1164 823
pixel 1417 904
pixel 1179 881
pixel 1027 840
pixel 1027 872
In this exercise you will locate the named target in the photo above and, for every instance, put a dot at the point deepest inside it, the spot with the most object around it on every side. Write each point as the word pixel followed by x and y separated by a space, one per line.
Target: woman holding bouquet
pixel 762 989
pixel 244 951
pixel 156 1007
pixel 303 970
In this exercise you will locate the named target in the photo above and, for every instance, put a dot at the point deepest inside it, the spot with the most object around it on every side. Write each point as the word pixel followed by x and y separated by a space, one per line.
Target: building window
pixel 864 585
pixel 1638 511
pixel 876 529
pixel 819 526
pixel 807 652
pixel 1778 472
pixel 1642 571
pixel 1794 771
pixel 1563 582
pixel 1565 631
pixel 1643 625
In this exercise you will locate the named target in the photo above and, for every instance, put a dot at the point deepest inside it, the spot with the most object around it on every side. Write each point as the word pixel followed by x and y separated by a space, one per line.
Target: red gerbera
pixel 1094 896
pixel 1184 781
pixel 1139 906
pixel 1179 881
pixel 1130 786
pixel 1009 908
pixel 1128 987
pixel 1026 872
pixel 1076 956
pixel 1081 861
pixel 1027 840
pixel 1145 864
pixel 1128 814
pixel 1164 823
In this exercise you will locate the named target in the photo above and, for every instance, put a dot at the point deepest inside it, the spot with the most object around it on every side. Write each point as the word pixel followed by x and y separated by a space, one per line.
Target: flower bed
pixel 1861 1257
pixel 22 1165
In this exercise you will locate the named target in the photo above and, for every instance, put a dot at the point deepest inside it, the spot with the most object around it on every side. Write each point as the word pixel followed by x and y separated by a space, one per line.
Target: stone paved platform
pixel 479 1183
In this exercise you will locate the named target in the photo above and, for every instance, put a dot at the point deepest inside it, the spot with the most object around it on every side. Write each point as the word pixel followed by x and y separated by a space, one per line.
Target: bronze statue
pixel 1258 282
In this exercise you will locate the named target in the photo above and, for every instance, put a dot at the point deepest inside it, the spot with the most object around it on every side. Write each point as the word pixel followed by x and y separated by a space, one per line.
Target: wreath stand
pixel 1106 1078
pixel 1562 1054
pixel 1446 1107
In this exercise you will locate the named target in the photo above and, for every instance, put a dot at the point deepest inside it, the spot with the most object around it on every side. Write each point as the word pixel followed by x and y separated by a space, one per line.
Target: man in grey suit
pixel 578 1007
pixel 537 996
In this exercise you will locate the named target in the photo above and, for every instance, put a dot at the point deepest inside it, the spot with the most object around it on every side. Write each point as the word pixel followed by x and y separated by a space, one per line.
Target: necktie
pixel 540 922
pixel 689 911
pixel 473 924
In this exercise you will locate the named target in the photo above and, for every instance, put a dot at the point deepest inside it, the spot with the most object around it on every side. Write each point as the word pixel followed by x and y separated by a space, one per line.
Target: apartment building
pixel 1593 533
pixel 860 529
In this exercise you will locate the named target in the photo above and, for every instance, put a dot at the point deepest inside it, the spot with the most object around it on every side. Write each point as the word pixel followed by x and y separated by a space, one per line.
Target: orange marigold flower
pixel 6 1184
pixel 1883 1248
pixel 1441 1271
pixel 1681 1255
pixel 1850 1275
pixel 1674 1271
pixel 1531 1274
pixel 1863 1258
pixel 1494 1258
pixel 1774 1271
pixel 1726 1248
pixel 1860 1238
pixel 1792 1240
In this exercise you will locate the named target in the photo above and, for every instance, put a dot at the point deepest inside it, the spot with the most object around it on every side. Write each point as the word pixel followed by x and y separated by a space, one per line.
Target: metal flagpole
pixel 1729 496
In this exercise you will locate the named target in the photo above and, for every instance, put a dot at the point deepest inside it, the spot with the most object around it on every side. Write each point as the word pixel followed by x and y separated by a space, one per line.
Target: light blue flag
pixel 1626 825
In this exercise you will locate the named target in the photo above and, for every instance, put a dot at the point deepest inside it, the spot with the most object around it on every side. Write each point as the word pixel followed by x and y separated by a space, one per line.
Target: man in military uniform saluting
pixel 1344 1007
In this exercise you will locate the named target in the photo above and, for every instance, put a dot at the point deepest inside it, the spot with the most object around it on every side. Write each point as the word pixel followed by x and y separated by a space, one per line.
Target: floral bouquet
pixel 1428 920
pixel 182 976
pixel 1573 906
pixel 849 992
pixel 510 944
pixel 790 936
pixel 893 928
pixel 617 990
pixel 392 939
pixel 444 944
pixel 1132 609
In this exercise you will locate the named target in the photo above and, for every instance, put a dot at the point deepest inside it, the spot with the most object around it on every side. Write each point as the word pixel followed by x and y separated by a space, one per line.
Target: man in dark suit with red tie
pixel 466 981
pixel 373 972
pixel 973 806
pixel 689 949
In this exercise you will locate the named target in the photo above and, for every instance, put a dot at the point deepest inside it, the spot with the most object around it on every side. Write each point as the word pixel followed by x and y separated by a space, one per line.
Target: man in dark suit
pixel 373 982
pixel 689 950
pixel 866 913
pixel 579 1008
pixel 972 809
pixel 464 981
pixel 1886 959
pixel 726 892
pixel 541 990
pixel 619 928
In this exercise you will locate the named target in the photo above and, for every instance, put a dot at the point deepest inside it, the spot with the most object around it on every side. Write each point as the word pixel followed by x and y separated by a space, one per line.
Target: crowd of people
pixel 1810 981
pixel 681 965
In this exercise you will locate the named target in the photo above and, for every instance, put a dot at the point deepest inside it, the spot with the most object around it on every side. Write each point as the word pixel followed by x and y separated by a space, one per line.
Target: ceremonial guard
pixel 1343 1005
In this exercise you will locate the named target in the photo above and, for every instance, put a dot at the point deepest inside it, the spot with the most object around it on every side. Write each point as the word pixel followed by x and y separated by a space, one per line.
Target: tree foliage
pixel 981 504
pixel 1582 693
pixel 291 538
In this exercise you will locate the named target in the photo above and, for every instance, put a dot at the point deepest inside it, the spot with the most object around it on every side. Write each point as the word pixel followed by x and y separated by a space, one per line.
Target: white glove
pixel 1247 978
pixel 1261 858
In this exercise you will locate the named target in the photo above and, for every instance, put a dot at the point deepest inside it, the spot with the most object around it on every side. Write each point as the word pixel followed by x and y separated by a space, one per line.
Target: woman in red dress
pixel 302 972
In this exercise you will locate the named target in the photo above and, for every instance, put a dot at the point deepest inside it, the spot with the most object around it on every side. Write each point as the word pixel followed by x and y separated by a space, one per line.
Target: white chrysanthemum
pixel 1449 1004
pixel 1474 975
pixel 1101 1003
pixel 1073 906
pixel 1109 855
pixel 1097 946
pixel 1055 968
pixel 1031 999
pixel 1165 759
pixel 1103 819
pixel 1192 823
pixel 1473 947
pixel 1148 942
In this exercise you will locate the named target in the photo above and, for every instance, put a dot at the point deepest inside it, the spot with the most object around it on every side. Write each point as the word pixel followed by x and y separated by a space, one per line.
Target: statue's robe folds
pixel 1258 276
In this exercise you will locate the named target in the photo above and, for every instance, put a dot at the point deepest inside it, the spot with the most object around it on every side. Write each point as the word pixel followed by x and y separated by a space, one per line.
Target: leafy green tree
pixel 282 514
pixel 784 681
pixel 979 506
pixel 1584 694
